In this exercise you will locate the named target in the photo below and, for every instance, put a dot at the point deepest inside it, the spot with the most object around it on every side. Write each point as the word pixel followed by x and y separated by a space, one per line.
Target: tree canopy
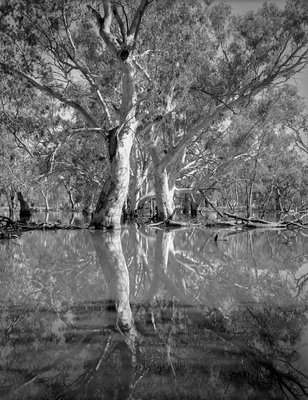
pixel 85 83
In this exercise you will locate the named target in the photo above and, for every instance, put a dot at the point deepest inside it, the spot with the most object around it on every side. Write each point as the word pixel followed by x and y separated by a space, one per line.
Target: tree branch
pixel 104 27
pixel 135 25
pixel 120 23
pixel 51 92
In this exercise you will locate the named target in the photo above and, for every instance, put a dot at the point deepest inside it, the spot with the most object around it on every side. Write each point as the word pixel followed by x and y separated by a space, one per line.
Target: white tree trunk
pixel 164 194
pixel 110 256
pixel 136 182
pixel 113 195
pixel 46 200
pixel 165 183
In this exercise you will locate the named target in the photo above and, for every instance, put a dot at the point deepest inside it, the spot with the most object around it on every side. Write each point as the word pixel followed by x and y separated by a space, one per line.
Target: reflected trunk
pixel 111 259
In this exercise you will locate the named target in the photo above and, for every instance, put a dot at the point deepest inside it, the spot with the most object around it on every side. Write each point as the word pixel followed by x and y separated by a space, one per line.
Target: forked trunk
pixel 113 195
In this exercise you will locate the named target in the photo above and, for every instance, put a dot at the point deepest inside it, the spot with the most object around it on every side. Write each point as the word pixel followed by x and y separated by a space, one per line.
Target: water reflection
pixel 154 314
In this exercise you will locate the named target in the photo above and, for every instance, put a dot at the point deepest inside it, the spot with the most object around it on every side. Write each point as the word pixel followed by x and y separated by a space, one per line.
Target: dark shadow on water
pixel 152 314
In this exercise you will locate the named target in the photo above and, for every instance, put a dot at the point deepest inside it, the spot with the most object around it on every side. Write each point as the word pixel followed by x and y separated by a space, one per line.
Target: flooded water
pixel 153 314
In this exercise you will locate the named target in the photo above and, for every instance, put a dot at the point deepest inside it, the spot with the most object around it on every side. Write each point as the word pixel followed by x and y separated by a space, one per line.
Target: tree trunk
pixel 87 203
pixel 71 199
pixel 46 200
pixel 110 202
pixel 24 212
pixel 139 179
pixel 10 202
pixel 186 203
pixel 46 216
pixel 165 183
pixel 249 200
pixel 164 196
pixel 278 204
pixel 193 207
pixel 164 187
pixel 136 182
pixel 111 199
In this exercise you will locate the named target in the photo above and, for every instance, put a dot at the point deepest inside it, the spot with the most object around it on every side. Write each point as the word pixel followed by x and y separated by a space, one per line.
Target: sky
pixel 241 7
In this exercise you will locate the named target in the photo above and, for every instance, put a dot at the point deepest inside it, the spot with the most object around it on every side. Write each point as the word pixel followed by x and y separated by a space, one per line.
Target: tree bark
pixel 71 199
pixel 24 212
pixel 165 183
pixel 278 205
pixel 46 200
pixel 10 202
pixel 139 176
pixel 163 193
pixel 113 195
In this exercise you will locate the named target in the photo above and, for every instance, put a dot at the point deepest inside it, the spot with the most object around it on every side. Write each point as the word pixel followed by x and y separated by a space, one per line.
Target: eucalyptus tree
pixel 83 56
pixel 15 149
pixel 37 128
pixel 118 69
pixel 262 143
pixel 209 66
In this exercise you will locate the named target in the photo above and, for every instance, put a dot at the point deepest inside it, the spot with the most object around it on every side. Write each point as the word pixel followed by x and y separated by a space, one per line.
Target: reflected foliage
pixel 140 314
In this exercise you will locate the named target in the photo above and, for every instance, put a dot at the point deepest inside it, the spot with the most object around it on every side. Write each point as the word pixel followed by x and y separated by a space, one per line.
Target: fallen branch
pixel 252 220
pixel 211 204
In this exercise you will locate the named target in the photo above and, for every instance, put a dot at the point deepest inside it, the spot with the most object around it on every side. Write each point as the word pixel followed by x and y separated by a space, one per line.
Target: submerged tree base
pixel 10 229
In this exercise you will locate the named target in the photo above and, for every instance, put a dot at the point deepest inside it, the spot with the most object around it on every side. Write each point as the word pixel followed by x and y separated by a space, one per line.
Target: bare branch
pixel 51 92
pixel 120 23
pixel 104 27
pixel 67 30
pixel 143 71
pixel 125 15
pixel 135 25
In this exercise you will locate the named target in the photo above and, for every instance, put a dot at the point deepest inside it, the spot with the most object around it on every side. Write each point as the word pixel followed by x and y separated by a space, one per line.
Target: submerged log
pixel 256 223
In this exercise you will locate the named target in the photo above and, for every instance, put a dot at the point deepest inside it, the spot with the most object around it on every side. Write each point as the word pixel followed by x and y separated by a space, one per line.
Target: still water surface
pixel 152 314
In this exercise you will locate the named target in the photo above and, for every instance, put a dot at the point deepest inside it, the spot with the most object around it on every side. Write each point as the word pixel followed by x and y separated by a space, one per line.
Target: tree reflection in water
pixel 144 314
pixel 112 261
